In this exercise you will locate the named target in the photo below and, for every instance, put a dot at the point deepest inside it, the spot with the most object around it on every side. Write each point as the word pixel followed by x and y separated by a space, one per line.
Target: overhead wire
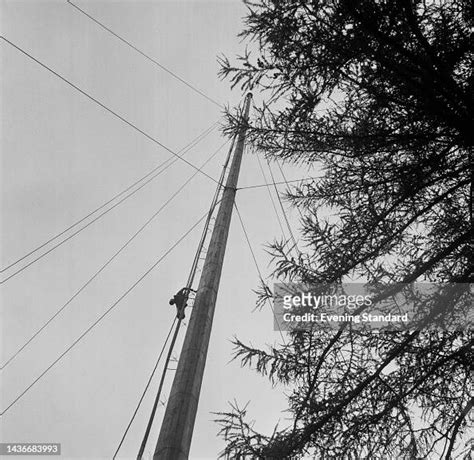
pixel 277 183
pixel 108 109
pixel 96 322
pixel 145 55
pixel 109 261
pixel 44 254
pixel 184 150
pixel 24 267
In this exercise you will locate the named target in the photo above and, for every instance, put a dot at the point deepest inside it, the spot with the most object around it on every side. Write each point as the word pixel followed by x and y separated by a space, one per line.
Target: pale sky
pixel 62 156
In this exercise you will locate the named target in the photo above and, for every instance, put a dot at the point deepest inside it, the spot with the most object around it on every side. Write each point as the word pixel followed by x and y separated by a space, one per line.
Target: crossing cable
pixel 278 183
pixel 95 323
pixel 257 267
pixel 145 389
pixel 109 261
pixel 29 264
pixel 108 109
pixel 154 61
pixel 171 159
pixel 189 283
pixel 90 222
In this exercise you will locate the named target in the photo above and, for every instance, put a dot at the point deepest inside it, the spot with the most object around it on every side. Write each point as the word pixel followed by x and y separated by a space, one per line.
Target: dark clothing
pixel 180 299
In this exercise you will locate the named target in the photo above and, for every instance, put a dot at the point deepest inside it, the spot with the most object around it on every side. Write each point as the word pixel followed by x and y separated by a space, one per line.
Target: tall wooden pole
pixel 178 424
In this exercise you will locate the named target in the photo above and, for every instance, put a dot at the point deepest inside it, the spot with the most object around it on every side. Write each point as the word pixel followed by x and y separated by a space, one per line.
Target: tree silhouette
pixel 378 96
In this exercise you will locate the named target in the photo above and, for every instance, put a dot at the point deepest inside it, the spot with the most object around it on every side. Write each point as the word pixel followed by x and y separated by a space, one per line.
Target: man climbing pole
pixel 180 299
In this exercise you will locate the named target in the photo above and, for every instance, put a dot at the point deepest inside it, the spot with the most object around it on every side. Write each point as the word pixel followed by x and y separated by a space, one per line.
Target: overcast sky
pixel 62 156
